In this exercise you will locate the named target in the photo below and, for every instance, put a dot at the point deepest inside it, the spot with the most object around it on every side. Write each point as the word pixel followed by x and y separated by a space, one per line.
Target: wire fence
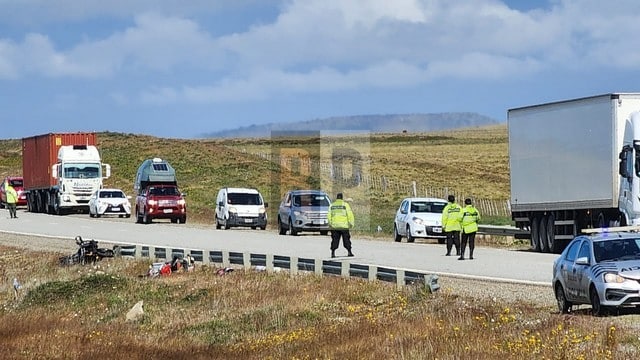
pixel 359 177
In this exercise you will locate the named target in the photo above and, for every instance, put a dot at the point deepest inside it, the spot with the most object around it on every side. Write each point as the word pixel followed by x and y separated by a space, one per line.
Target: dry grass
pixel 79 313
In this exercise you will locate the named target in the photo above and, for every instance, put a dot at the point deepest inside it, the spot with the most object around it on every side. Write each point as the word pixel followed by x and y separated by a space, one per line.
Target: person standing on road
pixel 12 199
pixel 451 221
pixel 340 219
pixel 470 217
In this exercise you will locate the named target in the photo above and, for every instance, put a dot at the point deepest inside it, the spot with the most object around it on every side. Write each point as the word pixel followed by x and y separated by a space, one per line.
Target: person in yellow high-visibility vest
pixel 340 219
pixel 451 222
pixel 470 218
pixel 12 199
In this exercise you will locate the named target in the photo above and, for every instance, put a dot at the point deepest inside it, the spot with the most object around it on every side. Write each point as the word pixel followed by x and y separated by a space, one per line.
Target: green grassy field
pixel 466 162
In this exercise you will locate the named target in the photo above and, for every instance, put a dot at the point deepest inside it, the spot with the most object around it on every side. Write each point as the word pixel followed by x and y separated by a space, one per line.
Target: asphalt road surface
pixel 488 264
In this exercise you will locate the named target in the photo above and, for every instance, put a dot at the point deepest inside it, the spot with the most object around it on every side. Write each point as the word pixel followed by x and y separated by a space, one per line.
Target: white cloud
pixel 322 45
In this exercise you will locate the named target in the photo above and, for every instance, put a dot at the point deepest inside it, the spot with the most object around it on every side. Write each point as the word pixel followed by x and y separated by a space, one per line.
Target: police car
pixel 601 269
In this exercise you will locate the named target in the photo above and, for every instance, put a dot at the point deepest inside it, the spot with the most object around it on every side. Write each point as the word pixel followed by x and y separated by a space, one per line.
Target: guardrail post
pixel 373 272
pixel 293 266
pixel 206 257
pixel 344 270
pixel 318 266
pixel 225 258
pixel 399 278
pixel 137 252
pixel 246 260
pixel 152 252
pixel 269 262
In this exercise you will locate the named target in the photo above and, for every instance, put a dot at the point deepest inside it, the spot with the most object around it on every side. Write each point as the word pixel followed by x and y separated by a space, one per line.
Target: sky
pixel 182 69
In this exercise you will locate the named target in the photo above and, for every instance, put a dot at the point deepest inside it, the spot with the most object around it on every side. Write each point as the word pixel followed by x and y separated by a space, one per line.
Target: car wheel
pixel 127 216
pixel 217 222
pixel 263 227
pixel 174 221
pixel 182 220
pixel 226 224
pixel 410 237
pixel 253 228
pixel 324 232
pixel 292 230
pixel 138 216
pixel 146 219
pixel 98 215
pixel 281 229
pixel 90 213
pixel 396 236
pixel 442 241
pixel 596 307
pixel 564 306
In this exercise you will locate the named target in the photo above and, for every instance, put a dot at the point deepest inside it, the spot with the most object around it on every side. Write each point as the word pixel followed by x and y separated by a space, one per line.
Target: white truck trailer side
pixel 574 164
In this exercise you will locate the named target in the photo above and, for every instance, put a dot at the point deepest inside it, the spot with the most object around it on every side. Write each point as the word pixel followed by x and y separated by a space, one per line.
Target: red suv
pixel 18 185
pixel 161 202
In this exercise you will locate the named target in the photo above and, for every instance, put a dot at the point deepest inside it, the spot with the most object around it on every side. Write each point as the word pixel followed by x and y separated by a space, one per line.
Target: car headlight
pixel 296 213
pixel 233 210
pixel 417 220
pixel 613 278
pixel 181 202
pixel 152 202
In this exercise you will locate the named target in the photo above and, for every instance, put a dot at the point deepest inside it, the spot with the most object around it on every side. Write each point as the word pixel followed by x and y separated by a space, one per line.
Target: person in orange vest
pixel 451 222
pixel 470 218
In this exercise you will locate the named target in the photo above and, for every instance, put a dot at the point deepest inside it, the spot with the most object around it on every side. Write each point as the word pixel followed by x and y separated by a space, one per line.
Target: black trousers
pixel 471 238
pixel 335 239
pixel 12 209
pixel 453 239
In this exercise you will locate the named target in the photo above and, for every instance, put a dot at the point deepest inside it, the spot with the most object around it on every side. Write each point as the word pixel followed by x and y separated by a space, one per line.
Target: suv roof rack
pixel 630 228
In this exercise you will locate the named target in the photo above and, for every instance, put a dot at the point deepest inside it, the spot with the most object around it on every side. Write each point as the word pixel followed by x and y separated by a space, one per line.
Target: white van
pixel 240 207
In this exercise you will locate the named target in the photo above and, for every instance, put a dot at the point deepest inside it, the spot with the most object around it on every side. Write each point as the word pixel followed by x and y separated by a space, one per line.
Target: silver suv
pixel 304 210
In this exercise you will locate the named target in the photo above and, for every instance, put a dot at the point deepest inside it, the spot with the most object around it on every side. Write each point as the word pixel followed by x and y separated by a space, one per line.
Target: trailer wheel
pixel 535 233
pixel 553 244
pixel 543 234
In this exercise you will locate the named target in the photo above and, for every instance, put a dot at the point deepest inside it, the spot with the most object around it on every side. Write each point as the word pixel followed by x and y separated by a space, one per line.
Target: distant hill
pixel 366 123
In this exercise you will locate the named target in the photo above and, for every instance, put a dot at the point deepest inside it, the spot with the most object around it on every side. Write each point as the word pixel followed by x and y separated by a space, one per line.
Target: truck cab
pixel 79 174
pixel 157 193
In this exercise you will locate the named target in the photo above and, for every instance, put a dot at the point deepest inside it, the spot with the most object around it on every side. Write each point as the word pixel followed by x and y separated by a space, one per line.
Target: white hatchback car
pixel 109 202
pixel 419 217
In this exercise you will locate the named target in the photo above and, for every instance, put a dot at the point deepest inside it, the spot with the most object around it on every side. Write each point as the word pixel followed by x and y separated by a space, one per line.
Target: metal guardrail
pixel 275 263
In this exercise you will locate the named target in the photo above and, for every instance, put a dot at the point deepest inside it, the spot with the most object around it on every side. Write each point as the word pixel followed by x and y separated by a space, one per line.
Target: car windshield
pixel 617 250
pixel 81 171
pixel 427 207
pixel 164 191
pixel 244 199
pixel 311 200
pixel 111 194
pixel 16 182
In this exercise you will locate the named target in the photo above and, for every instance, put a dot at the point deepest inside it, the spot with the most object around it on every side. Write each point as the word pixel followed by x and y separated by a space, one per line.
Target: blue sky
pixel 180 69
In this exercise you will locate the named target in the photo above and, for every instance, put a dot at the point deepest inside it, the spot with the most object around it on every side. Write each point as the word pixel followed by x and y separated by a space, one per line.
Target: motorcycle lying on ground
pixel 88 253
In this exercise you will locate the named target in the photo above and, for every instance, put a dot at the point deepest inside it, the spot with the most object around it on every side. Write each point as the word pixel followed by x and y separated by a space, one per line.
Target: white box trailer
pixel 574 165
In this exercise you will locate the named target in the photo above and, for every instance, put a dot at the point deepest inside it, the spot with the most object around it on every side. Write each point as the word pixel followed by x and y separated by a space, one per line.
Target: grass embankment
pixel 79 313
pixel 467 162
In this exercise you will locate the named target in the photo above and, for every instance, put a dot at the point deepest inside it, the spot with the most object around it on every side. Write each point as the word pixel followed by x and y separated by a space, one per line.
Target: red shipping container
pixel 40 152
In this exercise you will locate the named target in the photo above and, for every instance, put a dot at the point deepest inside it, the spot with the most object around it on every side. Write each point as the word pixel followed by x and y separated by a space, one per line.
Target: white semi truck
pixel 61 171
pixel 574 164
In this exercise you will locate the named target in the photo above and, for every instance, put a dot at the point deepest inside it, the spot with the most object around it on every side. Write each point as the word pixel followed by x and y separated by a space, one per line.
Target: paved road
pixel 497 264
